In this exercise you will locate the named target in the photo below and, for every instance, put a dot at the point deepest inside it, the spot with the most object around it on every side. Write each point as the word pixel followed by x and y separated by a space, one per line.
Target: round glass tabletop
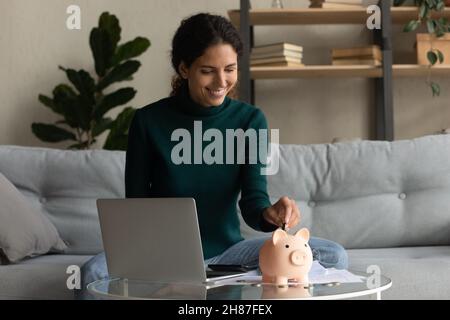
pixel 138 289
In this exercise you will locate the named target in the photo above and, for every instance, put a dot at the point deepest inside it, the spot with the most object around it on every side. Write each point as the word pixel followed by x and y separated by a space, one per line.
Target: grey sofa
pixel 388 203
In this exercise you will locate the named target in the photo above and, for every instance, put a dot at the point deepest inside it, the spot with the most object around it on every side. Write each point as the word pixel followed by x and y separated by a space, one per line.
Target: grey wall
pixel 34 41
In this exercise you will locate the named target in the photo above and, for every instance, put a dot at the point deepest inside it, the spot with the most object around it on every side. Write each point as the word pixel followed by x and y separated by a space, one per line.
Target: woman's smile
pixel 217 93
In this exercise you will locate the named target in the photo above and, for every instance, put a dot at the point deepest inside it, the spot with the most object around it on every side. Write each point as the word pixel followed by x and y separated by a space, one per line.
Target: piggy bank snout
pixel 299 257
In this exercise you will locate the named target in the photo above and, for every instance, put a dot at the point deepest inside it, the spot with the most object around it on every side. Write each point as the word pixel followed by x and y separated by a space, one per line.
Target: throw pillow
pixel 24 230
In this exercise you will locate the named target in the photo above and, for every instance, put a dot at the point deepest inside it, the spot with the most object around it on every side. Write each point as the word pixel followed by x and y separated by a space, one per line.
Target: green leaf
pixel 47 101
pixel 110 24
pixel 435 88
pixel 102 49
pixel 71 107
pixel 440 5
pixel 439 32
pixel 432 57
pixel 119 73
pixel 118 142
pixel 440 56
pixel 84 83
pixel 399 2
pixel 61 94
pixel 430 26
pixel 113 100
pixel 51 133
pixel 118 136
pixel 411 26
pixel 101 126
pixel 432 3
pixel 443 21
pixel 130 50
pixel 423 11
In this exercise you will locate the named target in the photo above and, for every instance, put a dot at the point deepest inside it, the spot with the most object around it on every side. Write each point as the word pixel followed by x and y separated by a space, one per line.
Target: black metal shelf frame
pixel 384 119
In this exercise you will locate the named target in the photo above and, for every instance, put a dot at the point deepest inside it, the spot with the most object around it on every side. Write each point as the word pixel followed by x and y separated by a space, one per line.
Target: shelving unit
pixel 382 76
pixel 399 15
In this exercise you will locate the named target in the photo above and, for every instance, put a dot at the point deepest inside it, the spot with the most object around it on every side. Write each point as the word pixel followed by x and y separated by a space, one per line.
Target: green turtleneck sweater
pixel 150 171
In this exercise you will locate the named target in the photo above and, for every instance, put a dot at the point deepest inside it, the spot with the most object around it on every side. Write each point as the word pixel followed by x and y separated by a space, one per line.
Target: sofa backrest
pixel 362 194
pixel 369 194
pixel 64 185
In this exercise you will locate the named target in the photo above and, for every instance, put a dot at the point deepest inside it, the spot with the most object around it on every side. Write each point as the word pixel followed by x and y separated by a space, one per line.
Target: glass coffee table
pixel 138 289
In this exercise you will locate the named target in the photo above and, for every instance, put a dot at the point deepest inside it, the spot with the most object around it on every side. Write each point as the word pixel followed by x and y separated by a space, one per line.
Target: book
pixel 360 2
pixel 274 60
pixel 346 62
pixel 316 3
pixel 372 51
pixel 280 64
pixel 327 5
pixel 277 48
pixel 287 53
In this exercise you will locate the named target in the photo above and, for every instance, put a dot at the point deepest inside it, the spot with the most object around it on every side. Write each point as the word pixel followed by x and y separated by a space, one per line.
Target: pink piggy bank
pixel 286 257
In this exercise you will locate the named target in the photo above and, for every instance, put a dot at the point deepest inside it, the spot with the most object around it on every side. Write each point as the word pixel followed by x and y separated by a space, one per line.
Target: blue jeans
pixel 328 253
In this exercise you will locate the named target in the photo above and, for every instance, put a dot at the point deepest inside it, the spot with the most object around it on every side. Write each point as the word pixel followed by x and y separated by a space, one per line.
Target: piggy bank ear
pixel 278 235
pixel 303 233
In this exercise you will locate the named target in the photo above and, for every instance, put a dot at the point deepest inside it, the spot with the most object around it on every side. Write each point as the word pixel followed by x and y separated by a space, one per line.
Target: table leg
pixel 125 287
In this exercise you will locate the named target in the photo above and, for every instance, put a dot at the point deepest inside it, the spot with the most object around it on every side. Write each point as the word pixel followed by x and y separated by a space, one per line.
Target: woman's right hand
pixel 284 211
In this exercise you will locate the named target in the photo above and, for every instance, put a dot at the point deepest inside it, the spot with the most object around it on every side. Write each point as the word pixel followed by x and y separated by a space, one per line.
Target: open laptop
pixel 154 239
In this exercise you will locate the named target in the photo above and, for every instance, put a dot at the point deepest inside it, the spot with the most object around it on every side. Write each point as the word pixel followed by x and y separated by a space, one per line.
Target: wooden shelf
pixel 400 15
pixel 301 16
pixel 354 71
pixel 414 70
pixel 315 71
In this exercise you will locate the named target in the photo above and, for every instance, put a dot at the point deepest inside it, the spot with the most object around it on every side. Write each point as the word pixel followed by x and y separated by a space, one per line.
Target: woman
pixel 205 52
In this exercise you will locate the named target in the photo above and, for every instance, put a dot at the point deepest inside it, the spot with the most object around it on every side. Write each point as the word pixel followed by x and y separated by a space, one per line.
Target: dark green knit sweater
pixel 150 171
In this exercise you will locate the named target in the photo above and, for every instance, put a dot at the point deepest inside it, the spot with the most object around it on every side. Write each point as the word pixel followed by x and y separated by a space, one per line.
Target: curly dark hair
pixel 196 34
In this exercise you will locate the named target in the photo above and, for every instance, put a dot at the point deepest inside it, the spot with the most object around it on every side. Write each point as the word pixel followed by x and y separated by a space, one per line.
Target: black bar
pixel 244 65
pixel 252 82
pixel 383 86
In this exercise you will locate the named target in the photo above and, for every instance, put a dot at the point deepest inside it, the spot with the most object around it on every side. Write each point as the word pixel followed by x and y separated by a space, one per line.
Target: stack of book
pixel 338 4
pixel 277 54
pixel 316 3
pixel 368 55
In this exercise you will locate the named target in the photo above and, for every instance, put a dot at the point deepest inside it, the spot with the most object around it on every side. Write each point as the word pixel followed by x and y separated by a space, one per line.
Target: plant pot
pixel 426 42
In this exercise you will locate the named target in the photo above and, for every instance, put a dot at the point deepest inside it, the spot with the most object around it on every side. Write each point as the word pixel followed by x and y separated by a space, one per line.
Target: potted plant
pixel 83 104
pixel 437 27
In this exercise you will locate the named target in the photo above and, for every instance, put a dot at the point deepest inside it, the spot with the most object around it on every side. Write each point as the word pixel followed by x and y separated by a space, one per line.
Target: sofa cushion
pixel 370 194
pixel 64 185
pixel 24 231
pixel 43 277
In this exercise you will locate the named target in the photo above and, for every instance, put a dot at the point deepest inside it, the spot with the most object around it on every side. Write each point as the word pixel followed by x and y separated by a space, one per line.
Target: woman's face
pixel 212 76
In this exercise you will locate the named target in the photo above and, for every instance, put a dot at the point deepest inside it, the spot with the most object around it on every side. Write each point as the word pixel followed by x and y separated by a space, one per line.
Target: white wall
pixel 34 41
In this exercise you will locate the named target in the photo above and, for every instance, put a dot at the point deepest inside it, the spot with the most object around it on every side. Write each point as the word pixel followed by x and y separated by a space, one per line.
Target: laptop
pixel 154 239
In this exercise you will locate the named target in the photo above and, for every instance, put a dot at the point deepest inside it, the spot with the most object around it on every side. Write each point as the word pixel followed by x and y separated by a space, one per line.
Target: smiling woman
pixel 212 76
pixel 205 61
pixel 205 53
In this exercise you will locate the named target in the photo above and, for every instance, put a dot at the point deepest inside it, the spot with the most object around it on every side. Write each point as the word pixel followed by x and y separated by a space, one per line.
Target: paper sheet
pixel 317 275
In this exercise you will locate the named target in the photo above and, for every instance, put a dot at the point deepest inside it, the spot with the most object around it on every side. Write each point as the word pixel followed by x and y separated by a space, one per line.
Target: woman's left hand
pixel 284 211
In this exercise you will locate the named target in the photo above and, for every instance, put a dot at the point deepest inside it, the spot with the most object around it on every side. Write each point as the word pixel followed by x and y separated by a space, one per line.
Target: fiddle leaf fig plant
pixel 83 104
pixel 435 26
